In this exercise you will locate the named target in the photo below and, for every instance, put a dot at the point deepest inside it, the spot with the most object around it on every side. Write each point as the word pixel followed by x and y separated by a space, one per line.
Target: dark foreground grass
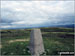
pixel 16 48
pixel 55 45
pixel 54 41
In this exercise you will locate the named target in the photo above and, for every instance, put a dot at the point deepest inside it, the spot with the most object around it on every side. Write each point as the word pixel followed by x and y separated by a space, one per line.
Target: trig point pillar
pixel 36 43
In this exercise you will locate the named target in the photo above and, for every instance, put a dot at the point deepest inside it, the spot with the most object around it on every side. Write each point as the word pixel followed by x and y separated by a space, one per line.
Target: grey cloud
pixel 33 12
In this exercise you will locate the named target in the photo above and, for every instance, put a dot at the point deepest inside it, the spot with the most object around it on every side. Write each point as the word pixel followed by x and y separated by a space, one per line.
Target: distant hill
pixel 67 26
pixel 64 26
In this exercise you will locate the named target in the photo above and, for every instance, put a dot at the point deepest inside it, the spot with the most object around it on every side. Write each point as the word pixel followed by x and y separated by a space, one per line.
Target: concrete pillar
pixel 36 43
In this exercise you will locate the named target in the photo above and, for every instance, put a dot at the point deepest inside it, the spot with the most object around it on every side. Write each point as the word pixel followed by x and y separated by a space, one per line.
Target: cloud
pixel 26 13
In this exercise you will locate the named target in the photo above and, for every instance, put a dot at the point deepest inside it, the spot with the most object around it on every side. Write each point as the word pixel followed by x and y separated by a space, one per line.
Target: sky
pixel 26 14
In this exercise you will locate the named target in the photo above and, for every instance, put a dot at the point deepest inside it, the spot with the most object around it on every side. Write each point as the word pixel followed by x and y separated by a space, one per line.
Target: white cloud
pixel 4 26
pixel 7 26
pixel 30 22
pixel 35 12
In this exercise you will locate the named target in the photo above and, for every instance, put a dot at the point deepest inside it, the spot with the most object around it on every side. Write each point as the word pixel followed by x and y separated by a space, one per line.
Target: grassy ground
pixel 15 42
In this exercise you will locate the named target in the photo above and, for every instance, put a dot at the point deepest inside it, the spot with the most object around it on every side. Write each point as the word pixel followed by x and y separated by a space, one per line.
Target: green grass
pixel 55 40
pixel 54 45
pixel 17 48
